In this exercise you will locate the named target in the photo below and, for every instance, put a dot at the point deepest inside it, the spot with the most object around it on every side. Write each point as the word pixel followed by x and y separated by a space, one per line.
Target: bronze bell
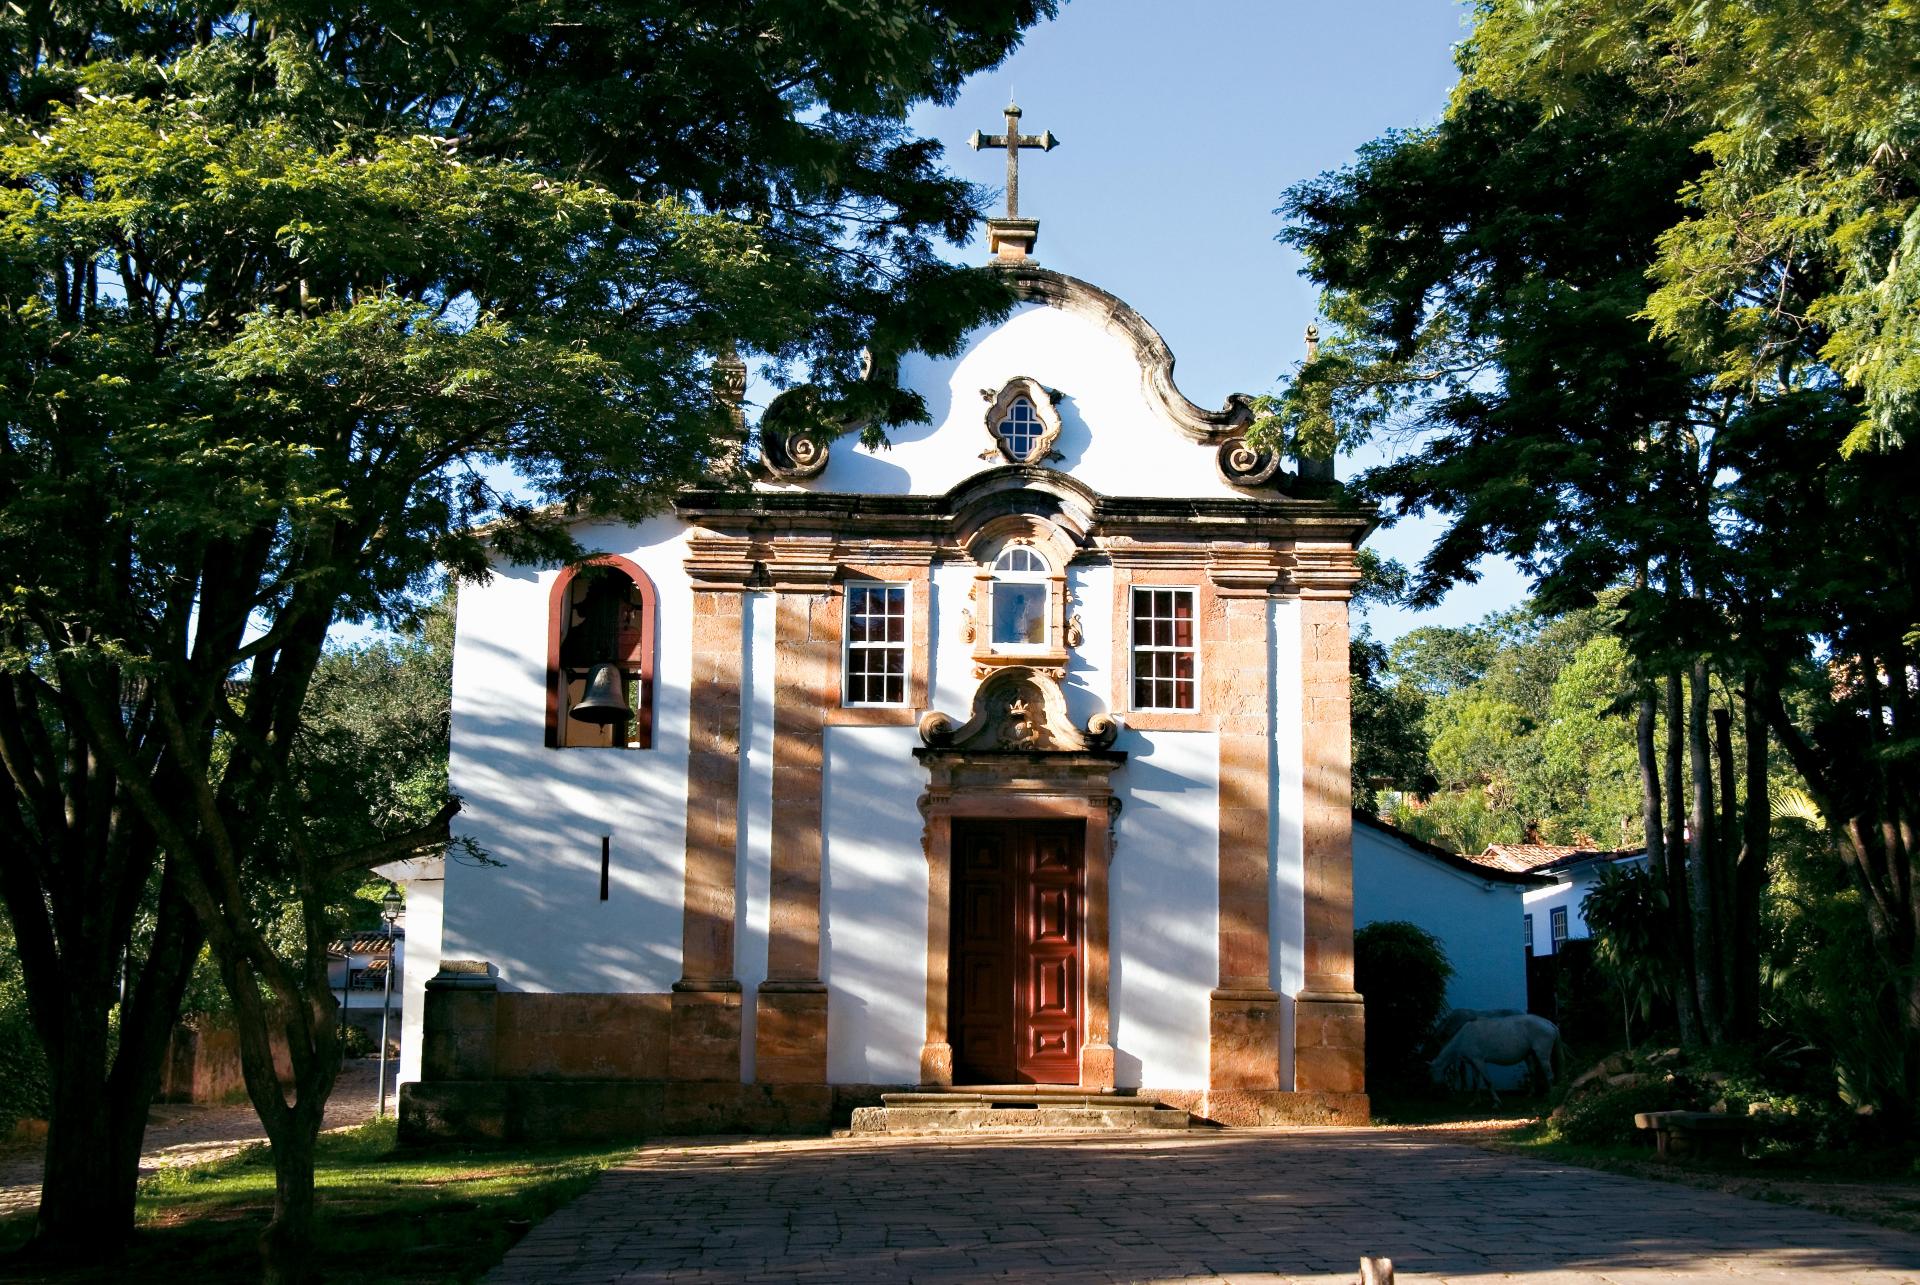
pixel 605 700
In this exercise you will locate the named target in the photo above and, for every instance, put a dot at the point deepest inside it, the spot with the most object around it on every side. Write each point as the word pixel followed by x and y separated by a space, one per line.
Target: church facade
pixel 1014 753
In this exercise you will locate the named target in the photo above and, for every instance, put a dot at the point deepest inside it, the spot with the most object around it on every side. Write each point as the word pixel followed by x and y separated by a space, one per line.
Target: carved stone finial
pixel 792 457
pixel 1313 342
pixel 1243 464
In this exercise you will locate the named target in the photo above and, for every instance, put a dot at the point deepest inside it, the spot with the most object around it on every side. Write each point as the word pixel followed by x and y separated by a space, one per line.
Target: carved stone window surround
pixel 1001 404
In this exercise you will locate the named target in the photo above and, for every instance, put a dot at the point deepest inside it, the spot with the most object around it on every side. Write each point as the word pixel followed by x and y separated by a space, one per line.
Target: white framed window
pixel 1526 931
pixel 1166 661
pixel 1018 600
pixel 1557 926
pixel 877 643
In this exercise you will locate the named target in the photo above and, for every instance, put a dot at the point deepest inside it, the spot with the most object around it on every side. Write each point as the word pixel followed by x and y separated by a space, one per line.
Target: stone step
pixel 1021 1110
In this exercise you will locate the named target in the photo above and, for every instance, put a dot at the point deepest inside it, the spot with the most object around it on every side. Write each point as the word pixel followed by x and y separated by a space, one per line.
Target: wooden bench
pixel 1694 1133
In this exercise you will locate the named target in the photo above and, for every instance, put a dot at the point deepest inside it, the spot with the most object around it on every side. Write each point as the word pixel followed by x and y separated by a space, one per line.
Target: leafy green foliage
pixel 1807 221
pixel 1403 971
pixel 1526 731
pixel 1625 913
pixel 24 1085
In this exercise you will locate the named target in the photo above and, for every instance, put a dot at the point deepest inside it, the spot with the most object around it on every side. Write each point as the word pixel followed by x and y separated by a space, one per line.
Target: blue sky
pixel 1180 126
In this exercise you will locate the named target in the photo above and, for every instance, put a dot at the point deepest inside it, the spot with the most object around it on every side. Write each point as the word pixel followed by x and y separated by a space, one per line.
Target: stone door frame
pixel 1011 785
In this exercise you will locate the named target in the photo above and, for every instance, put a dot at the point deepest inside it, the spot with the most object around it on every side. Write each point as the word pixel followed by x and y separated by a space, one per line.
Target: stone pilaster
pixel 1329 1017
pixel 705 1018
pixel 1244 1010
pixel 790 1012
pixel 457 1027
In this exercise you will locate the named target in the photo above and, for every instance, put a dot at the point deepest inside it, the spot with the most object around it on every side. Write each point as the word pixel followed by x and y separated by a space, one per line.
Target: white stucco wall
pixel 420 960
pixel 1112 437
pixel 1476 920
pixel 1287 878
pixel 1569 892
pixel 873 906
pixel 1164 908
pixel 754 868
pixel 539 918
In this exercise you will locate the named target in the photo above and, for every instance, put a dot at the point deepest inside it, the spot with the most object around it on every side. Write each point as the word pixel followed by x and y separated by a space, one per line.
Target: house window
pixel 1557 926
pixel 1020 429
pixel 600 658
pixel 1526 931
pixel 1164 659
pixel 1018 607
pixel 875 660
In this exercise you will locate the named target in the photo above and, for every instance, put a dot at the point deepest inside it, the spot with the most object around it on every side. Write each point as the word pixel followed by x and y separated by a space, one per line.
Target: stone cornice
pixel 1072 295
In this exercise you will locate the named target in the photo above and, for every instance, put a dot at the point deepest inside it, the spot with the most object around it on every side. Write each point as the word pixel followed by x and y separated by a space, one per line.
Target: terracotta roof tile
pixel 1525 858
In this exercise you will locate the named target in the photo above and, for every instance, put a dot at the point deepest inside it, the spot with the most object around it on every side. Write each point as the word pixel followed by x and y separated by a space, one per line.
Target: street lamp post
pixel 389 911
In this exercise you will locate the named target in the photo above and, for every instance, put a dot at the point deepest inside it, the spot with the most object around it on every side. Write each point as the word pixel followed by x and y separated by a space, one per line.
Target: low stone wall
pixel 203 1065
pixel 584 1110
pixel 580 1037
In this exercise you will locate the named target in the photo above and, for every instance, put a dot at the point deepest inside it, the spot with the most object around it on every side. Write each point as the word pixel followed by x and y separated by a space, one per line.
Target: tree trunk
pixel 1679 920
pixel 1750 875
pixel 1725 852
pixel 1700 860
pixel 1650 818
pixel 286 1246
pixel 84 1215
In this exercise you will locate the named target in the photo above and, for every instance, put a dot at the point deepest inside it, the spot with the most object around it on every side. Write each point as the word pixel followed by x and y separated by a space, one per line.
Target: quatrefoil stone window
pixel 1023 422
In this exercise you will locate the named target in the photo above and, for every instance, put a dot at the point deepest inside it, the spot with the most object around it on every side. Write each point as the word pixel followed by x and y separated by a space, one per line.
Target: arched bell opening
pixel 600 657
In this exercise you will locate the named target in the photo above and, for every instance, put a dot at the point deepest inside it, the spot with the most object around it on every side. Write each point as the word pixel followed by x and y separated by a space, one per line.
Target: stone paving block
pixel 1245 1206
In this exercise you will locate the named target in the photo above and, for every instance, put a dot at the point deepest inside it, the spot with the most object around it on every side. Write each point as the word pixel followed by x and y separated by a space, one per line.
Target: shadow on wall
pixel 873 906
pixel 542 812
pixel 1163 960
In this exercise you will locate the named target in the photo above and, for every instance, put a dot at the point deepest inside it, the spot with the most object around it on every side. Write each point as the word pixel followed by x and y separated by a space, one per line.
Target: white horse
pixel 1455 1019
pixel 1520 1040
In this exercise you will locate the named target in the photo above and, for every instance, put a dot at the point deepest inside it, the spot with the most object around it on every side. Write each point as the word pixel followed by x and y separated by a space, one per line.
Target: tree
pixel 1483 283
pixel 1487 283
pixel 281 286
pixel 1807 213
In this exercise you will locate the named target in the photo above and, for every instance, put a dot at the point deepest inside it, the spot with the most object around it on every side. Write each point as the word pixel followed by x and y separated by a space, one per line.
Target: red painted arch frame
pixel 649 636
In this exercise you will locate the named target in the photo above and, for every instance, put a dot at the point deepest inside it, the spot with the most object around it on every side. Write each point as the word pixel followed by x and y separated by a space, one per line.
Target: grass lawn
pixel 386 1217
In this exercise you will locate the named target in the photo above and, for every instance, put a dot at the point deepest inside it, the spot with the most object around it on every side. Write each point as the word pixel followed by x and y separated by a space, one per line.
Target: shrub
pixel 1604 1117
pixel 1402 970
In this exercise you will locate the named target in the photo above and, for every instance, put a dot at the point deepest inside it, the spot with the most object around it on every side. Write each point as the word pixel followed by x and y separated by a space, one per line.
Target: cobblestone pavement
pixel 187 1135
pixel 1244 1206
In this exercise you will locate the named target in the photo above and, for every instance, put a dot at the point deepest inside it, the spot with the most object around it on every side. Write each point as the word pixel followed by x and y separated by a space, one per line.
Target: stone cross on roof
pixel 1013 140
pixel 1010 236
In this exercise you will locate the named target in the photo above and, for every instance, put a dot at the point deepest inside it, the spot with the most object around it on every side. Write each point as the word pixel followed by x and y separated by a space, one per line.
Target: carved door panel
pixel 1016 964
pixel 1047 1005
pixel 982 963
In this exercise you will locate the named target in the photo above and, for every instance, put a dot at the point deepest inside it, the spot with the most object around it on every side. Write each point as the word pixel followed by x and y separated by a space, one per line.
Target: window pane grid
pixel 1020 428
pixel 876 651
pixel 1163 652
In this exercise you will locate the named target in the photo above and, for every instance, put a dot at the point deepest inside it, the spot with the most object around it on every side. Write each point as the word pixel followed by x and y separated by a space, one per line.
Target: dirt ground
pixel 183 1134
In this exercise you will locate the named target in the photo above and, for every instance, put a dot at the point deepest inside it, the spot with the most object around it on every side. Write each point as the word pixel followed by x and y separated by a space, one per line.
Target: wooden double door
pixel 1015 994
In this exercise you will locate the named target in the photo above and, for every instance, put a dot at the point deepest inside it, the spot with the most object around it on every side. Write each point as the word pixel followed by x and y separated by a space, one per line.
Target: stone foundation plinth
pixel 1329 1043
pixel 703 1039
pixel 515 1111
pixel 1244 1039
pixel 790 1033
pixel 1257 1108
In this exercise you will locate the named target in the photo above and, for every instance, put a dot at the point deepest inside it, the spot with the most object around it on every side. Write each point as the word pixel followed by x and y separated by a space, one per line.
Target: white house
pixel 1553 909
pixel 1014 753
pixel 1474 908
